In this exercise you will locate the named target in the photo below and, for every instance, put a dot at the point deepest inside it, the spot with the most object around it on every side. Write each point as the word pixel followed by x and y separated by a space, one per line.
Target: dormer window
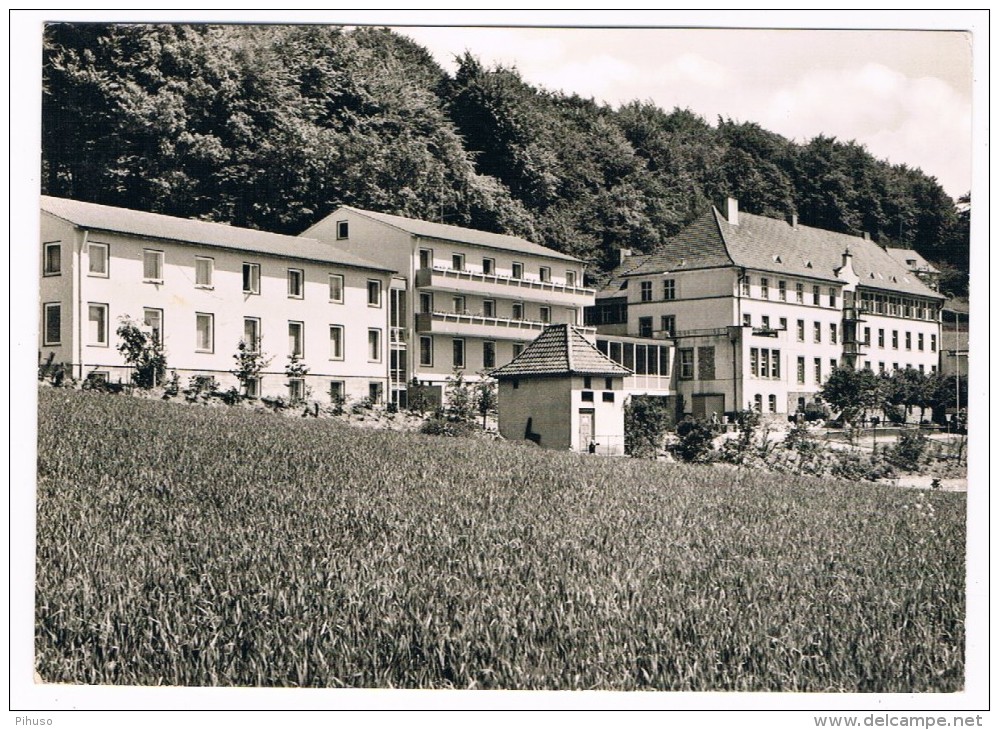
pixel 342 230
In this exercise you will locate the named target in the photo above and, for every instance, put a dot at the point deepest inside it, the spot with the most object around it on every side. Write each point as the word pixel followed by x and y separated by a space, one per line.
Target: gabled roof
pixel 426 229
pixel 219 235
pixel 904 255
pixel 560 350
pixel 768 244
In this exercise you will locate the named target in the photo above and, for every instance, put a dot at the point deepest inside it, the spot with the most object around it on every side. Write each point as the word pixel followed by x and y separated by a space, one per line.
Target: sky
pixel 905 95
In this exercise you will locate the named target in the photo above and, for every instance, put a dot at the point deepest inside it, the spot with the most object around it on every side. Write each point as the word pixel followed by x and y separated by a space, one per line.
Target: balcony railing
pixel 853 314
pixel 508 285
pixel 481 326
pixel 853 348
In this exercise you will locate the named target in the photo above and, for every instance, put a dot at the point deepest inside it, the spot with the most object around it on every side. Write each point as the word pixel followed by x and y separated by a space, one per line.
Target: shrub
pixel 460 399
pixel 201 386
pixel 231 396
pixel 172 386
pixel 646 423
pixel 799 439
pixel 143 351
pixel 908 451
pixel 445 427
pixel 695 440
pixel 250 363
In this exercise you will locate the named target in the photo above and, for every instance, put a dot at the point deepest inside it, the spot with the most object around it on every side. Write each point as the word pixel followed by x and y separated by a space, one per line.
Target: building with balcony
pixel 200 288
pixel 463 299
pixel 760 311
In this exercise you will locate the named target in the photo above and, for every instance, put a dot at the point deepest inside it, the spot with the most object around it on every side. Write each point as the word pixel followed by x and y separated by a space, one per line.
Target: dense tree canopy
pixel 273 126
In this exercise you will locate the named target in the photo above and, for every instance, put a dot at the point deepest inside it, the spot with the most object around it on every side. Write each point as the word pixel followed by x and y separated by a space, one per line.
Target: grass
pixel 208 546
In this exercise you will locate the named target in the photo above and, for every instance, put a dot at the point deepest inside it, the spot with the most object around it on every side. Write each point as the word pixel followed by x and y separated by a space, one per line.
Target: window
pixel 867 336
pixel 765 321
pixel 801 370
pixel 251 278
pixel 426 258
pixel 97 317
pixel 458 261
pixel 817 332
pixel 98 256
pixel 669 289
pixel 775 364
pixel 518 347
pixel 705 363
pixel 832 332
pixel 747 319
pixel 608 383
pixel 342 229
pixel 488 354
pixel 336 391
pixel 336 342
pixel 772 403
pixel 546 315
pixel 374 293
pixel 667 323
pixel 458 352
pixel 374 345
pixel 783 323
pixel 375 392
pixel 251 333
pixel 52 266
pixel 832 364
pixel 52 332
pixel 764 363
pixel 426 302
pixel 894 339
pixel 799 293
pixel 933 343
pixel 782 290
pixel 867 364
pixel 832 297
pixel 758 402
pixel 764 288
pixel 686 364
pixel 754 361
pixel 881 338
pixel 488 308
pixel 816 295
pixel 426 351
pixel 894 366
pixel 908 340
pixel 801 330
pixel 252 387
pixel 818 370
pixel 608 397
pixel 545 273
pixel 296 389
pixel 204 268
pixel 646 291
pixel 458 304
pixel 921 368
pixel 153 319
pixel 645 326
pixel 205 332
pixel 152 265
pixel 744 286
pixel 518 270
pixel 296 339
pixel 586 396
pixel 881 367
pixel 518 310
pixel 336 288
pixel 570 278
pixel 296 283
pixel 488 266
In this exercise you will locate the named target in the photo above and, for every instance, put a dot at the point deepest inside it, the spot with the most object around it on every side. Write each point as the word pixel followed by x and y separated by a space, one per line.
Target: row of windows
pixel 814 294
pixel 668 290
pixel 899 306
pixel 641 359
pixel 204 272
pixel 771 403
pixel 458 305
pixel 458 352
pixel 667 325
pixel 489 267
pixel 895 366
pixel 764 363
pixel 816 369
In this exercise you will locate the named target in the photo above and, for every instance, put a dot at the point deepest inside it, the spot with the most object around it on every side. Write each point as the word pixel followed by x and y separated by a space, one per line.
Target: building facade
pixel 200 288
pixel 761 311
pixel 462 299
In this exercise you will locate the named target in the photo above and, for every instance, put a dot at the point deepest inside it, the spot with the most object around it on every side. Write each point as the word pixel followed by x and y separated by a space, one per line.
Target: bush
pixel 142 351
pixel 201 386
pixel 799 439
pixel 444 427
pixel 646 423
pixel 695 440
pixel 231 397
pixel 908 451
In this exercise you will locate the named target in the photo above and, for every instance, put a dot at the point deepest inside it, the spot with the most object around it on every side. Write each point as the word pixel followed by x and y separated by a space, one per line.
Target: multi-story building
pixel 463 299
pixel 202 287
pixel 761 310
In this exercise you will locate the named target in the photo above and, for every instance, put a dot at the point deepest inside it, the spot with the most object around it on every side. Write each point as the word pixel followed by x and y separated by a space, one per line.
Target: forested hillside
pixel 271 127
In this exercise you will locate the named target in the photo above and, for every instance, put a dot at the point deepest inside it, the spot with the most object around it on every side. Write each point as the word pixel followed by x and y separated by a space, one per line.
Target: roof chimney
pixel 733 211
pixel 792 220
pixel 622 254
pixel 847 257
pixel 867 236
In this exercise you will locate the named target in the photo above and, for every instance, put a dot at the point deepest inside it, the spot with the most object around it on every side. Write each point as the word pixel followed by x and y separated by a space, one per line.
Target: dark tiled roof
pixel 446 232
pixel 769 244
pixel 560 350
pixel 220 235
pixel 902 255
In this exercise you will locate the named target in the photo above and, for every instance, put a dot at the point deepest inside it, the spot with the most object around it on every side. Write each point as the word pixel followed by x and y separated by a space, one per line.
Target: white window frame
pixel 374 344
pixel 378 290
pixel 252 388
pixel 46 308
pixel 458 343
pixel 146 311
pixel 429 256
pixel 296 389
pixel 488 266
pixel 341 387
pixel 426 302
pixel 336 345
pixel 342 230
pixel 210 262
pixel 517 270
pixel 93 246
pixel 336 280
pixel 457 262
pixel 458 304
pixel 98 341
pixel 645 291
pixel 429 340
pixel 545 314
pixel 298 348
pixel 486 345
pixel 200 317
pixel 253 342
pixel 570 279
pixel 514 311
pixel 253 270
pixel 296 275
pixel 47 270
pixel 669 289
pixel 156 256
pixel 545 274
pixel 489 308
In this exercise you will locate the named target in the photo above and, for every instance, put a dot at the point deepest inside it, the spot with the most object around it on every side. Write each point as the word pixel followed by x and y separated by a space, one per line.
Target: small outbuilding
pixel 562 393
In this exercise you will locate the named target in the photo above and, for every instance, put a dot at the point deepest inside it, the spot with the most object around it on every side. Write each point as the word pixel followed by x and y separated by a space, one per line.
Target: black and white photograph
pixel 495 361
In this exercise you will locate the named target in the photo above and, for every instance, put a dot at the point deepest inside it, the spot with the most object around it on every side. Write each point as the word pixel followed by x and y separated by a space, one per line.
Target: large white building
pixel 462 299
pixel 760 311
pixel 202 287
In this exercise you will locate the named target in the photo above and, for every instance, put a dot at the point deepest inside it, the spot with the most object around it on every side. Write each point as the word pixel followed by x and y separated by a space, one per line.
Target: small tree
pixel 143 351
pixel 250 362
pixel 696 440
pixel 486 400
pixel 460 399
pixel 851 392
pixel 296 370
pixel 646 423
pixel 748 421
